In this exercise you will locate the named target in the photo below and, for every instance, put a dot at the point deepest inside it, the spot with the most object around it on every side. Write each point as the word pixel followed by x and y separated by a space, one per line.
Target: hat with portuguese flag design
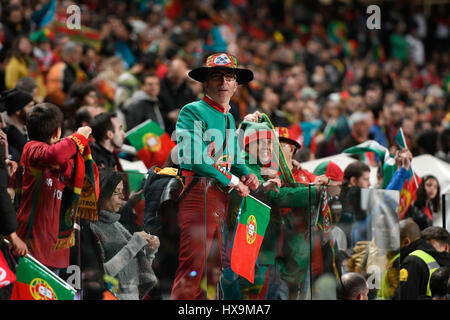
pixel 221 61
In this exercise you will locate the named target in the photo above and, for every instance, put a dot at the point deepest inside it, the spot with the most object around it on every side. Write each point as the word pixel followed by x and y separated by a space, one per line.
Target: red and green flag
pixel 152 143
pixel 400 139
pixel 34 281
pixel 253 219
pixel 410 186
pixel 6 275
pixel 408 194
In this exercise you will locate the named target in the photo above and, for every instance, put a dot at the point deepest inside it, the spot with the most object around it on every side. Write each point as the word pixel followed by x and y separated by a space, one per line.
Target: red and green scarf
pixel 79 198
pixel 285 170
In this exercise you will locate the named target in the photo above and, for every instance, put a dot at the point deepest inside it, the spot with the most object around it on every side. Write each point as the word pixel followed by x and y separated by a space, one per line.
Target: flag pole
pixel 406 146
pixel 56 277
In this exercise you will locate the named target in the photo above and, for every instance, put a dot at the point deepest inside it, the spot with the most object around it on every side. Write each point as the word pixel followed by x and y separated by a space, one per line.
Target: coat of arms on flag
pixel 152 143
pixel 252 221
pixel 36 282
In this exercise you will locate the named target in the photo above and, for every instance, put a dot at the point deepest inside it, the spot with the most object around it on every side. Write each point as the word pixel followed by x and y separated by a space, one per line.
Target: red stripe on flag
pixel 244 255
pixel 21 291
pixel 6 275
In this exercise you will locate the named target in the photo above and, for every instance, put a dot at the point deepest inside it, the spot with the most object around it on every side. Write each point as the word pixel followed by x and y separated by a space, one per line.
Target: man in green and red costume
pixel 201 131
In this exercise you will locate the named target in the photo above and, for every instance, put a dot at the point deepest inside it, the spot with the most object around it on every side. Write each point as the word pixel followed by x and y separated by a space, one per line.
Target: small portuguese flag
pixel 34 281
pixel 253 219
pixel 152 143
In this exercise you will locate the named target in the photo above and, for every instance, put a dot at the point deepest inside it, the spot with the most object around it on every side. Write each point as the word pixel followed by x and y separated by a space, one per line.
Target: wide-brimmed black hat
pixel 222 61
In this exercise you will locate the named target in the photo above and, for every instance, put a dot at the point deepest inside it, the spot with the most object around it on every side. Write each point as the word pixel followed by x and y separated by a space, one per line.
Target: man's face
pixel 261 150
pixel 22 113
pixel 265 150
pixel 221 85
pixel 288 151
pixel 118 135
pixel 439 245
pixel 91 99
pixel 362 128
pixel 364 180
pixel 76 55
pixel 151 86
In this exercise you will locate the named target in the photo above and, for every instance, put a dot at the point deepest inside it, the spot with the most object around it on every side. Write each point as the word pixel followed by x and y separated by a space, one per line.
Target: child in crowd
pixel 45 169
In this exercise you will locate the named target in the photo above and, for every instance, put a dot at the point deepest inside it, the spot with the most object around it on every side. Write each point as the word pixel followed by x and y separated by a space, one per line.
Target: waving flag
pixel 6 275
pixel 36 282
pixel 253 219
pixel 45 15
pixel 408 195
pixel 372 146
pixel 401 142
pixel 152 143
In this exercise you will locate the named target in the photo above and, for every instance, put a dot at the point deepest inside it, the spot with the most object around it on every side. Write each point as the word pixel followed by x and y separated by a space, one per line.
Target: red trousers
pixel 200 240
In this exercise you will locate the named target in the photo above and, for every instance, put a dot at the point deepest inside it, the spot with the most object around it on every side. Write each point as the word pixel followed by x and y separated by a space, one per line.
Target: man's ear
pixel 109 134
pixel 352 181
pixel 405 242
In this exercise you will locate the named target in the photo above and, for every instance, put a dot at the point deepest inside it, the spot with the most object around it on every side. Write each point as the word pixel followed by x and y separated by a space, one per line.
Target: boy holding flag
pixel 51 177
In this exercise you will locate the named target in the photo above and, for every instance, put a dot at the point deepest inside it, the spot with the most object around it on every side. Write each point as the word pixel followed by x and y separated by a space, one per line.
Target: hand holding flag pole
pixel 401 141
pixel 34 281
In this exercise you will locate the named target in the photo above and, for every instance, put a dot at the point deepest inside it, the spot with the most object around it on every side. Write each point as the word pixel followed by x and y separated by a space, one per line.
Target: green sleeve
pixel 238 168
pixel 292 197
pixel 192 150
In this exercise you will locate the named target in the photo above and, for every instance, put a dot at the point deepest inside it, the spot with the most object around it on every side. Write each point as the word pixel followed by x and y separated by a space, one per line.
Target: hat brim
pixel 290 141
pixel 242 75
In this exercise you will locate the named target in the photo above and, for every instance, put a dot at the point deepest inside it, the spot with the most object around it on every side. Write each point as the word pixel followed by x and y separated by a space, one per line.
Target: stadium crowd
pixel 318 70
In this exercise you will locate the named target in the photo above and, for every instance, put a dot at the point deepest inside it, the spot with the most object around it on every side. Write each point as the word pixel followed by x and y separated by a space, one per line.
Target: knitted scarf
pixel 79 198
pixel 286 172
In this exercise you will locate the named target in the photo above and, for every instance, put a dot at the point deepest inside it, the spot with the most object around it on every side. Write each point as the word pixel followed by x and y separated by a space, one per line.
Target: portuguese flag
pixel 152 143
pixel 34 281
pixel 253 219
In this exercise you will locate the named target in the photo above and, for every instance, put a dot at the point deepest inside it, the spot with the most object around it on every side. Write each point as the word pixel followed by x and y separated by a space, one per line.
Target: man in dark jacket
pixel 161 190
pixel 109 136
pixel 418 259
pixel 16 103
pixel 144 104
pixel 175 92
pixel 8 220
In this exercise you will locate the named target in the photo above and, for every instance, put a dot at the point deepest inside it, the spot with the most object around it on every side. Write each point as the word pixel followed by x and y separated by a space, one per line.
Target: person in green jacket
pixel 211 163
pixel 259 155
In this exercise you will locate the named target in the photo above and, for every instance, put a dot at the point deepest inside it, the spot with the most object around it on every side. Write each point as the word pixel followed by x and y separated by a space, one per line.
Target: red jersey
pixel 303 176
pixel 53 163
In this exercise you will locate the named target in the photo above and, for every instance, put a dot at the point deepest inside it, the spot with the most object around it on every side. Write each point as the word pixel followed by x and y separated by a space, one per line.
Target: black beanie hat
pixel 14 100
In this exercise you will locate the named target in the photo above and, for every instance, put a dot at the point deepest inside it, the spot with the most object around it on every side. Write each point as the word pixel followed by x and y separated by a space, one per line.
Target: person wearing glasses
pixel 208 148
pixel 124 256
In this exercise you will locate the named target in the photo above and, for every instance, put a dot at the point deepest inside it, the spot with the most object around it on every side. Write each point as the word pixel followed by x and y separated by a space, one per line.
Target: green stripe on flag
pixel 138 135
pixel 400 139
pixel 36 282
pixel 370 146
pixel 253 219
